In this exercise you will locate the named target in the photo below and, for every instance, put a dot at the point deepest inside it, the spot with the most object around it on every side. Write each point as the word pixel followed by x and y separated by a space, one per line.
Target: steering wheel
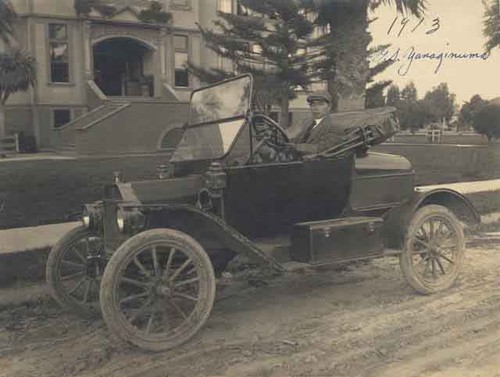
pixel 266 128
pixel 271 139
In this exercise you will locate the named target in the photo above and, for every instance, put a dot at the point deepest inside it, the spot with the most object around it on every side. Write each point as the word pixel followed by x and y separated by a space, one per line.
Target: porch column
pixel 87 51
pixel 159 63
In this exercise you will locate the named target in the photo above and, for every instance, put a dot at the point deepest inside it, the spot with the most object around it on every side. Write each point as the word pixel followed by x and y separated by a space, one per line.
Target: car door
pixel 266 200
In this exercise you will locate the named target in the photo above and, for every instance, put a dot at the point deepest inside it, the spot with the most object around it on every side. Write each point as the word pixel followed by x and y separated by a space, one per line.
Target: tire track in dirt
pixel 360 322
pixel 374 347
pixel 369 355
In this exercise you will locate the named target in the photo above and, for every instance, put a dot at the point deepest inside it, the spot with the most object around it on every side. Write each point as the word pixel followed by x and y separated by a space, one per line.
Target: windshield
pixel 228 99
pixel 216 115
pixel 208 141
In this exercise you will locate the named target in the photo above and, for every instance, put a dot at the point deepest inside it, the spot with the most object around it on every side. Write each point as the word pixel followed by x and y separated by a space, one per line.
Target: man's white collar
pixel 318 121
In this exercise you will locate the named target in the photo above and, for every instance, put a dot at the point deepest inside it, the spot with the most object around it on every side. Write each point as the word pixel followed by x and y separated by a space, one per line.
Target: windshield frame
pixel 244 120
pixel 222 120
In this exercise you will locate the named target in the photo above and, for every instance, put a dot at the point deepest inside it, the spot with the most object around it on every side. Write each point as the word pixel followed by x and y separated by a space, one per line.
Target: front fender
pixel 205 227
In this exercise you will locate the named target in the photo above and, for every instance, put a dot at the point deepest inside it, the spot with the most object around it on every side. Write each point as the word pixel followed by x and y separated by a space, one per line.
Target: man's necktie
pixel 308 132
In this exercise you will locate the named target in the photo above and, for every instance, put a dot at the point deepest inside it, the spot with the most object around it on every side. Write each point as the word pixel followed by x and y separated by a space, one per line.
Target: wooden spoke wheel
pixel 74 269
pixel 158 289
pixel 434 249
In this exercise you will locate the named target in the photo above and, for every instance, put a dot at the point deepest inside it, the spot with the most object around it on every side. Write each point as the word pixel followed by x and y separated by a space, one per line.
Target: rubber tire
pixel 52 273
pixel 112 315
pixel 413 279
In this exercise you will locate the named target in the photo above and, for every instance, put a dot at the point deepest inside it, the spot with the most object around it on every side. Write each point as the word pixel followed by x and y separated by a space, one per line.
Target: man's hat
pixel 325 96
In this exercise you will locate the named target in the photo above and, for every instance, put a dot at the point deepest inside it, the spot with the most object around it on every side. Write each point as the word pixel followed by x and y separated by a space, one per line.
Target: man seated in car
pixel 319 134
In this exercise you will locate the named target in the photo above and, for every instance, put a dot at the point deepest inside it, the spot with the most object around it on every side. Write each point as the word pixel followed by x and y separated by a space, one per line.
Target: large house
pixel 108 82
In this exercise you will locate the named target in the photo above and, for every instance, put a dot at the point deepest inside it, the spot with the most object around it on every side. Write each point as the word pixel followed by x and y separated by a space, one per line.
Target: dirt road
pixel 356 322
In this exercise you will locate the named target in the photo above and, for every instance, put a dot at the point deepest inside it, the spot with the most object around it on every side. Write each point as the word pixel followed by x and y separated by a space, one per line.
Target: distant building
pixel 95 72
pixel 110 53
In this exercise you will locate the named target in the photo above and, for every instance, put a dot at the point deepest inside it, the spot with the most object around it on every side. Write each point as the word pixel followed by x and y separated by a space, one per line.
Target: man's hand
pixel 310 157
pixel 306 148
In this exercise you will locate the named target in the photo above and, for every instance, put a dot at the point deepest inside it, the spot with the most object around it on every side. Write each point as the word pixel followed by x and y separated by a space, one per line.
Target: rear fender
pixel 208 229
pixel 397 220
pixel 454 201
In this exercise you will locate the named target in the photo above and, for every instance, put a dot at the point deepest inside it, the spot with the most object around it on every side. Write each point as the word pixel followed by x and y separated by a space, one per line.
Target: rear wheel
pixel 74 268
pixel 434 249
pixel 158 289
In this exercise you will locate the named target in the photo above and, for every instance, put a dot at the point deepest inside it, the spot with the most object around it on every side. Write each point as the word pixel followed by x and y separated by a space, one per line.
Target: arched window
pixel 171 138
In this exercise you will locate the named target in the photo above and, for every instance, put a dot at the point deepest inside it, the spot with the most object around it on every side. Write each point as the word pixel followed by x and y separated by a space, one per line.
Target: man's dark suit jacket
pixel 324 136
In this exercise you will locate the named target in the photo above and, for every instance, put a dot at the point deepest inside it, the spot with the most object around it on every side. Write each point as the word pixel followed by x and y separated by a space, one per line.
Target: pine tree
pixel 491 24
pixel 269 39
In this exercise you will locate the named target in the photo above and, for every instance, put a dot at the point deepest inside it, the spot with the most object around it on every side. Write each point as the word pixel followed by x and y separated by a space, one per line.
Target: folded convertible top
pixel 364 129
pixel 382 120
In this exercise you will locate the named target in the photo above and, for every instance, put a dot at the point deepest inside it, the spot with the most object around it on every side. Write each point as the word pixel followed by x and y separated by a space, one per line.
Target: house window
pixel 59 53
pixel 61 117
pixel 181 58
pixel 225 6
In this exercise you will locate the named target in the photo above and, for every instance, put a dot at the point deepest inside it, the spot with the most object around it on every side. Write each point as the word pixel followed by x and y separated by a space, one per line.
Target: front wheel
pixel 158 289
pixel 74 268
pixel 434 249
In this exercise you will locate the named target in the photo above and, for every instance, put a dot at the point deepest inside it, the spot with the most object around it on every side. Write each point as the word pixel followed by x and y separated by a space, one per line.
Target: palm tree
pixel 17 68
pixel 7 18
pixel 17 73
pixel 348 40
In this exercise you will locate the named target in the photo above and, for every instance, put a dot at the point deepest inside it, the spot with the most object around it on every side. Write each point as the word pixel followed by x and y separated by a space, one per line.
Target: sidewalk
pixel 35 156
pixel 37 237
pixel 466 187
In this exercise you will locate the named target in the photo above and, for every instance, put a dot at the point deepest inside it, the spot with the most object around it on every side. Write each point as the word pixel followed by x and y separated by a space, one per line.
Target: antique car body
pixel 235 187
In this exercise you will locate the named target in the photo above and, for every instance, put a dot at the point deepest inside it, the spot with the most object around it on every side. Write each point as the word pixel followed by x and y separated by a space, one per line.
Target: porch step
pixel 65 136
pixel 122 99
pixel 92 116
pixel 97 114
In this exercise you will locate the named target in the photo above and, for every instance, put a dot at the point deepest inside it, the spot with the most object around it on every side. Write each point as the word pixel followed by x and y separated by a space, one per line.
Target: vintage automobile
pixel 149 254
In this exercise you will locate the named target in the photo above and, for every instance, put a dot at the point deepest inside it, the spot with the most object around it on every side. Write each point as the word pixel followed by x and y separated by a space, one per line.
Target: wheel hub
pixel 162 289
pixel 433 248
pixel 95 266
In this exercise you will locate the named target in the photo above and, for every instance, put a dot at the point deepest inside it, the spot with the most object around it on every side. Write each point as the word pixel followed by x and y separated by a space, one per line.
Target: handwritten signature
pixel 412 55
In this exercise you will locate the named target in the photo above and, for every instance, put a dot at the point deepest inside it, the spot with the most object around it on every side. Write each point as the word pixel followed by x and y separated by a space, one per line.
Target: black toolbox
pixel 336 240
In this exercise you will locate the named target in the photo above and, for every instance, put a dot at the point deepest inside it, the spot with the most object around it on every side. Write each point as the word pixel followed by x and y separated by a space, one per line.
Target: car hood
pixel 172 190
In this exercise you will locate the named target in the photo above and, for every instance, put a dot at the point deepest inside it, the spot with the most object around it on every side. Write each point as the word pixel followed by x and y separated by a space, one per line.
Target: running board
pixel 293 266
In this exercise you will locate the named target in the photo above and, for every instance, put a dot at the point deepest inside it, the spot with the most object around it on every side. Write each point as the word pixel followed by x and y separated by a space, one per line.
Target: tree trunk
pixel 350 38
pixel 2 122
pixel 284 109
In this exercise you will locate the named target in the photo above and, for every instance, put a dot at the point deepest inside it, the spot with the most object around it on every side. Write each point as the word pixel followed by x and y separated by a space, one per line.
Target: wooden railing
pixel 9 145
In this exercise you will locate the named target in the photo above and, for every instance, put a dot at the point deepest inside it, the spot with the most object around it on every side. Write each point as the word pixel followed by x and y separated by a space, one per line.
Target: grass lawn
pixel 50 191
pixel 434 163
